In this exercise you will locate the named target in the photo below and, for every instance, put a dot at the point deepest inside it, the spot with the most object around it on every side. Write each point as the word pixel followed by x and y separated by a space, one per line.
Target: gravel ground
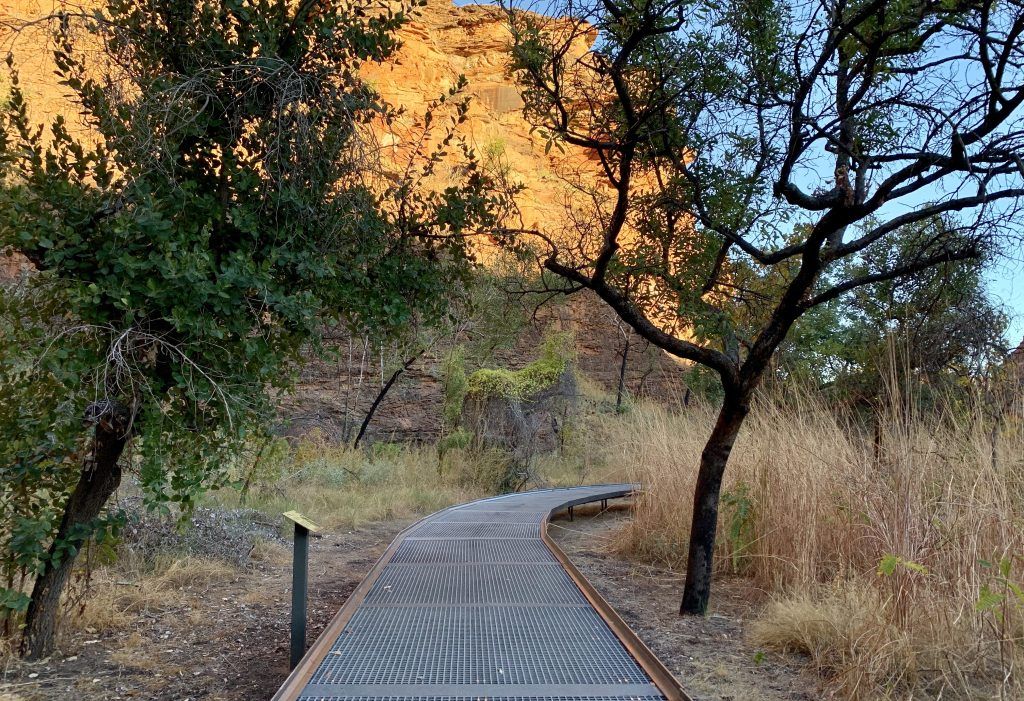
pixel 227 641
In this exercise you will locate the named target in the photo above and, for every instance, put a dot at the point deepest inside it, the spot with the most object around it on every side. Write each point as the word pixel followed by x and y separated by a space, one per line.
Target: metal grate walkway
pixel 475 602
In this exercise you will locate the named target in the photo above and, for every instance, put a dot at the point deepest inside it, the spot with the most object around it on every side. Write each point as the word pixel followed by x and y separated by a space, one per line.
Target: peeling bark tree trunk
pixel 101 475
pixel 700 559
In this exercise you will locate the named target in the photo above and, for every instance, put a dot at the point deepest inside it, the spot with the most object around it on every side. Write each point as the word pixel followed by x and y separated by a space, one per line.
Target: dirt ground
pixel 707 655
pixel 229 640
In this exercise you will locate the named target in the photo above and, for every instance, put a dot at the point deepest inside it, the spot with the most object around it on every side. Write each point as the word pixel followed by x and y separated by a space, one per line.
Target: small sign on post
pixel 300 572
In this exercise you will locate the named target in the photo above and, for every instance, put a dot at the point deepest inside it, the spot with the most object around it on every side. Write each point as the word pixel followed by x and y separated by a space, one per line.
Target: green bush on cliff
pixel 456 384
pixel 536 377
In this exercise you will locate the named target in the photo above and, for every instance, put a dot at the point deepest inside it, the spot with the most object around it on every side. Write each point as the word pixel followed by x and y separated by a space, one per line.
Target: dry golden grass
pixel 135 654
pixel 883 561
pixel 270 552
pixel 338 487
pixel 120 594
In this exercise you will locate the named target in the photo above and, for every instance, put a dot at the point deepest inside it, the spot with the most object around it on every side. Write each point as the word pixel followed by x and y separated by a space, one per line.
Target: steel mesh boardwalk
pixel 473 603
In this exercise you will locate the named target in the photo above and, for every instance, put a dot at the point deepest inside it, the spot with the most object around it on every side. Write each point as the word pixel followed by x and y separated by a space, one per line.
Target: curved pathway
pixel 475 602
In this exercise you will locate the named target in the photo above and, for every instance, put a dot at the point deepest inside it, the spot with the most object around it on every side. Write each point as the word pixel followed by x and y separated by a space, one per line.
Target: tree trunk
pixel 705 506
pixel 101 475
pixel 380 397
pixel 622 375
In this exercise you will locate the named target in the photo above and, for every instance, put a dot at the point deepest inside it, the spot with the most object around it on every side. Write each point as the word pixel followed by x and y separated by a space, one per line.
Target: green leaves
pixel 13 600
pixel 1002 594
pixel 191 248
pixel 529 381
pixel 890 564
pixel 739 515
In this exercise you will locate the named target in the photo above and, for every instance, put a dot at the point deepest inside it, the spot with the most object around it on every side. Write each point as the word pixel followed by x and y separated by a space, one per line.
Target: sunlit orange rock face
pixel 33 59
pixel 559 185
pixel 444 42
pixel 440 44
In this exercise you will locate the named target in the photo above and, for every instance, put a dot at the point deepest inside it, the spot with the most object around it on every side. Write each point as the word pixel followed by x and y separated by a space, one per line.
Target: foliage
pixel 717 201
pixel 41 388
pixel 889 564
pixel 224 207
pixel 740 522
pixel 940 328
pixel 948 323
pixel 529 381
pixel 1003 596
pixel 490 317
pixel 456 384
pixel 459 439
pixel 496 311
pixel 704 384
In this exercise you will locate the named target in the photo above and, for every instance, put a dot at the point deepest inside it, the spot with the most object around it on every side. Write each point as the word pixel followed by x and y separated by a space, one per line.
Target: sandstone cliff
pixel 443 42
pixel 439 45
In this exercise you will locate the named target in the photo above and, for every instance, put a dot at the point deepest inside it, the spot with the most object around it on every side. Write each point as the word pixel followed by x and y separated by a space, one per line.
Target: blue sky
pixel 1006 283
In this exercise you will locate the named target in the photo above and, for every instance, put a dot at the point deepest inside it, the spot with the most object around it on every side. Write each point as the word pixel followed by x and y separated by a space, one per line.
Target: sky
pixel 1006 284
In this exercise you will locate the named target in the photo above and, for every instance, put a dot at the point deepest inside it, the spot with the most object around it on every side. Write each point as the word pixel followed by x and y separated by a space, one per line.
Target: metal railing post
pixel 300 573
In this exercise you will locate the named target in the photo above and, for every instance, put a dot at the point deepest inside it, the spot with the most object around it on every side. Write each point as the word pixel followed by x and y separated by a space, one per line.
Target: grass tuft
pixel 119 595
pixel 339 487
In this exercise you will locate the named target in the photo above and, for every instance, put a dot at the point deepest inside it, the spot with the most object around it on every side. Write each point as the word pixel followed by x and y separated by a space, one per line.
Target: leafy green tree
pixel 782 138
pixel 939 328
pixel 229 204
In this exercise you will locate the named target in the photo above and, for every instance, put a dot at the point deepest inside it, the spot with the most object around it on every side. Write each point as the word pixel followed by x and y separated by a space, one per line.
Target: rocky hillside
pixel 442 43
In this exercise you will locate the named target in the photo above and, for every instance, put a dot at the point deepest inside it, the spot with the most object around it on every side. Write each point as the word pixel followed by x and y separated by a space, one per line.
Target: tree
pixel 227 206
pixel 942 320
pixel 938 328
pixel 749 148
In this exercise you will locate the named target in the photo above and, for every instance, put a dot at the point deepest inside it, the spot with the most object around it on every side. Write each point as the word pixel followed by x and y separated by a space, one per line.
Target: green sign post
pixel 300 575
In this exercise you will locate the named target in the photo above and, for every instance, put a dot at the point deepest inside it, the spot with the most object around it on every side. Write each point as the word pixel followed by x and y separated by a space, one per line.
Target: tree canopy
pixel 228 201
pixel 760 158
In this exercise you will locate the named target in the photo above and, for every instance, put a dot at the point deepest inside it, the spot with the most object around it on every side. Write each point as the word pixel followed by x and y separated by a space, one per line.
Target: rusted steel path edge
pixel 478 602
